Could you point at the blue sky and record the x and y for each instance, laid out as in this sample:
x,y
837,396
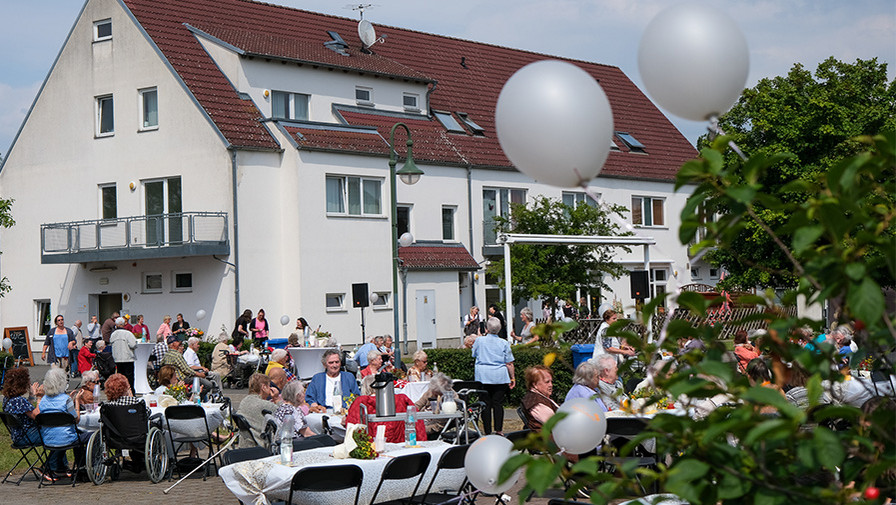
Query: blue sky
x,y
779,34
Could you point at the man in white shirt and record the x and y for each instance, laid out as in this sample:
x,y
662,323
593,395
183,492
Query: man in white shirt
x,y
93,329
192,360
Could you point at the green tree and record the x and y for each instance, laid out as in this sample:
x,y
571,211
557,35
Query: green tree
x,y
816,119
6,221
556,271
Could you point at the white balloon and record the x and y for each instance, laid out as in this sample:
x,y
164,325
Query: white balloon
x,y
554,123
284,320
200,314
694,60
483,461
7,343
583,428
405,239
374,298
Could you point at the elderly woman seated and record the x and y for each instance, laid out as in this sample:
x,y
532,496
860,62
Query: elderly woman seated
x,y
254,403
89,379
374,363
584,384
55,399
293,396
537,402
15,403
609,386
394,429
419,372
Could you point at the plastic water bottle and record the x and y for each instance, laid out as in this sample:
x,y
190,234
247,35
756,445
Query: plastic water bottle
x,y
196,391
96,393
337,396
435,368
286,433
410,426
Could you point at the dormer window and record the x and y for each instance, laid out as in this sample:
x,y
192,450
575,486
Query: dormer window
x,y
364,96
102,30
475,128
631,142
448,122
409,100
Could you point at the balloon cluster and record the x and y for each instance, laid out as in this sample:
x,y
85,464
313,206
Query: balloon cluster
x,y
554,121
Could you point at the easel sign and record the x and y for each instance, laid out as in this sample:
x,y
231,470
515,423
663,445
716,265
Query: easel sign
x,y
21,346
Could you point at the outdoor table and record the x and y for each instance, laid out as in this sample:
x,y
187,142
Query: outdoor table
x,y
414,390
307,360
90,421
315,422
261,481
141,355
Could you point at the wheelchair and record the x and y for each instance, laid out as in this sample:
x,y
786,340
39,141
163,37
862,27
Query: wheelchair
x,y
126,427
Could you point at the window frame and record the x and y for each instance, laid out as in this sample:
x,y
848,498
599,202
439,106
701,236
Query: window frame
x,y
346,196
142,108
338,296
102,211
96,32
99,108
386,298
696,273
415,107
658,283
642,222
634,145
443,118
144,289
469,123
453,209
291,101
504,197
174,286
579,198
368,102
714,276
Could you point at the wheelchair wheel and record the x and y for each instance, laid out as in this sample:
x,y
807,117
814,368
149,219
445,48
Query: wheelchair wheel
x,y
96,458
156,455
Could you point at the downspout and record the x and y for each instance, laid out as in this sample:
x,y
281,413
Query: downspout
x,y
470,226
236,234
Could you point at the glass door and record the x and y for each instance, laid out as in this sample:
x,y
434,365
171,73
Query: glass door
x,y
163,202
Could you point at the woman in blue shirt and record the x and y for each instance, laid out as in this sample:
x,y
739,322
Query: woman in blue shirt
x,y
494,369
56,400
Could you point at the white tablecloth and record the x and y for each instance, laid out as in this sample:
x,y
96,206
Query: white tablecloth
x,y
414,390
315,421
193,428
141,382
260,481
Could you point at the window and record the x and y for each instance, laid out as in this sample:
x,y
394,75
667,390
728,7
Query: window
x,y
355,196
383,300
102,30
475,128
695,272
496,202
448,223
44,315
163,204
109,201
181,282
647,211
289,105
448,122
658,278
152,282
631,142
573,200
409,100
363,95
105,122
149,109
403,219
335,302
713,273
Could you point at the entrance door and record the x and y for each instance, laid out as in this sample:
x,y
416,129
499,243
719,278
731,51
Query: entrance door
x,y
108,303
426,318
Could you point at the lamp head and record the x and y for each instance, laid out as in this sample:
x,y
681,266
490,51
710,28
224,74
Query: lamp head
x,y
409,173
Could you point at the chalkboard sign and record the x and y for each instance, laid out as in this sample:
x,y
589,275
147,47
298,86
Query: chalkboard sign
x,y
21,347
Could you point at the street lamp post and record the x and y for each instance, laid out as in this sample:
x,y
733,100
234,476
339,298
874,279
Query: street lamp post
x,y
409,174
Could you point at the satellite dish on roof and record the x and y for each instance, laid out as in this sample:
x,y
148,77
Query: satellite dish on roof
x,y
366,33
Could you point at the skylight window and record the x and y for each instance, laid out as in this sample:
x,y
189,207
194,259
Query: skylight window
x,y
449,122
477,130
631,142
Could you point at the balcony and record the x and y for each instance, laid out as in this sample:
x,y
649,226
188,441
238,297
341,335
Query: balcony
x,y
135,237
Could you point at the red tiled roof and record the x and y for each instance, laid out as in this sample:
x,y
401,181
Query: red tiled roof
x,y
337,138
437,256
472,88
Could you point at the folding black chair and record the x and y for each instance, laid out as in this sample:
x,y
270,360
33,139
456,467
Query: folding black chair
x,y
245,429
246,454
451,459
47,420
520,411
12,424
404,467
189,413
620,429
327,479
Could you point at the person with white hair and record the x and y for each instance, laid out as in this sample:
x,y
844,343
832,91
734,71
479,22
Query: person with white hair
x,y
123,345
191,356
361,354
419,372
280,359
525,336
89,378
55,399
585,381
374,363
293,396
331,387
494,369
609,386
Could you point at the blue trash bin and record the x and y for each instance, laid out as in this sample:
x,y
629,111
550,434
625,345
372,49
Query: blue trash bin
x,y
277,343
581,352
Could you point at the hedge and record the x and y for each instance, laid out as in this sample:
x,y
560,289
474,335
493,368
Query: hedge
x,y
459,364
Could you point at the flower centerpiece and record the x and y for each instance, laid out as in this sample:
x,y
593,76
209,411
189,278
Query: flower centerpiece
x,y
659,399
364,449
194,332
179,391
322,337
348,400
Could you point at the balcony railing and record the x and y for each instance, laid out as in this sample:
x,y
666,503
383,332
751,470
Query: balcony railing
x,y
135,237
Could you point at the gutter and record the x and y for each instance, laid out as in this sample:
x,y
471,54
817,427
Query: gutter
x,y
236,234
470,226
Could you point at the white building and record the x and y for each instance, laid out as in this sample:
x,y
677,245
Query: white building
x,y
225,154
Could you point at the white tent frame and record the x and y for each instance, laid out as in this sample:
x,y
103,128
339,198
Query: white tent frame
x,y
523,238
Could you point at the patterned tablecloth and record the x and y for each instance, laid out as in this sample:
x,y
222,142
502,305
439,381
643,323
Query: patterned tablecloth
x,y
261,481
90,421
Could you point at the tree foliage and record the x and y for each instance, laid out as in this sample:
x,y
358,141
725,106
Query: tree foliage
x,y
817,119
556,271
756,447
6,221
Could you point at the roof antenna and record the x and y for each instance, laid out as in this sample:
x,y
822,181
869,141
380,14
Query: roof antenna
x,y
359,7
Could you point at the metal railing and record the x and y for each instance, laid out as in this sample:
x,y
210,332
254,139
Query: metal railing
x,y
191,230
